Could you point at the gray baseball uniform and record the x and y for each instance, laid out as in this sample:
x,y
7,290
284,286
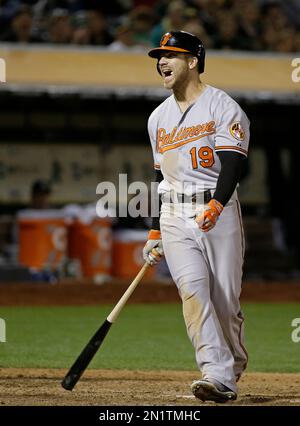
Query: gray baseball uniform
x,y
206,267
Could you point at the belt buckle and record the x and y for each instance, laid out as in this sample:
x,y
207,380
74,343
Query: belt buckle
x,y
198,198
180,198
207,196
201,197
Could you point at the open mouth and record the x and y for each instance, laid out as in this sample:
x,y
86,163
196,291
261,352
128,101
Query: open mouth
x,y
167,73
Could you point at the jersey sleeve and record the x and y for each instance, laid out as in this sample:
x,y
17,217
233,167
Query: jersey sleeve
x,y
152,131
232,128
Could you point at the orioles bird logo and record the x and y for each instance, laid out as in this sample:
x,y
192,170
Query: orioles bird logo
x,y
237,131
165,40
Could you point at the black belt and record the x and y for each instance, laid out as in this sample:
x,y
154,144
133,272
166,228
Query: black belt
x,y
199,198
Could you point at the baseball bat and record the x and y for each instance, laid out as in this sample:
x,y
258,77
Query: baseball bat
x,y
95,342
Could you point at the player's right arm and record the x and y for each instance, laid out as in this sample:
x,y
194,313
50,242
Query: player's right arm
x,y
153,249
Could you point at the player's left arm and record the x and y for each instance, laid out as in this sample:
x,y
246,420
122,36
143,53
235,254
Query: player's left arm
x,y
231,145
231,169
232,164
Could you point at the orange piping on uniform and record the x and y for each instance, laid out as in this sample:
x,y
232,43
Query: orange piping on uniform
x,y
235,148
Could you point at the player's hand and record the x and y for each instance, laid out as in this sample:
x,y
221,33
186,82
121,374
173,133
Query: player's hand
x,y
153,249
208,218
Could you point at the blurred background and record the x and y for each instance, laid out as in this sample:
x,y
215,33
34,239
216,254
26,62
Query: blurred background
x,y
73,112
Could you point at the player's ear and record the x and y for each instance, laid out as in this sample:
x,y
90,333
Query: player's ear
x,y
193,62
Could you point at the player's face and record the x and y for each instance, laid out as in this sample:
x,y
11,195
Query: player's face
x,y
174,68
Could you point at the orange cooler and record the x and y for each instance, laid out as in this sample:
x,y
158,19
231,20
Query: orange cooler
x,y
42,239
91,243
128,253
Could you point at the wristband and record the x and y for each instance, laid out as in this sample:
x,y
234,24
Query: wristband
x,y
154,235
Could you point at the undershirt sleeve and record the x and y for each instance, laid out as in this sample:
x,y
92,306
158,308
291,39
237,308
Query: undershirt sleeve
x,y
231,167
155,220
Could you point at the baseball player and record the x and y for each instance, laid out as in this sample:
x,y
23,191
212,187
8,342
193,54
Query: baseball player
x,y
199,137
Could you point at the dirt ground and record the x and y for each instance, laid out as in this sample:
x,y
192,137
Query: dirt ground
x,y
86,293
19,387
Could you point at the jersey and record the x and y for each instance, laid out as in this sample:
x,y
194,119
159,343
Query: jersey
x,y
185,145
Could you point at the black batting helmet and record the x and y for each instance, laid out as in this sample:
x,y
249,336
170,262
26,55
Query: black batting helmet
x,y
182,42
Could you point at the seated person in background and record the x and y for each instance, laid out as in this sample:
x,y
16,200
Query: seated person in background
x,y
40,193
81,32
21,27
99,29
59,27
124,40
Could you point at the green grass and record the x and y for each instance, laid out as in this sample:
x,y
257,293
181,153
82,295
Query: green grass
x,y
145,337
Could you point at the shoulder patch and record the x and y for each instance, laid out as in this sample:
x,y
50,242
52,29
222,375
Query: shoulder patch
x,y
237,131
